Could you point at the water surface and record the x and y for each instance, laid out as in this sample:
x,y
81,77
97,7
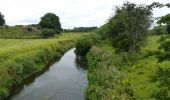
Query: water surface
x,y
64,80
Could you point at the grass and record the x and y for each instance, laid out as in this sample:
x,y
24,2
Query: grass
x,y
19,32
106,82
20,58
141,72
135,72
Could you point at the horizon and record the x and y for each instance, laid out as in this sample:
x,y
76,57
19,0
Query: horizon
x,y
79,13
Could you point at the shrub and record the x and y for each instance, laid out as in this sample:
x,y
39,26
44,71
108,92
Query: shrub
x,y
48,32
165,55
163,77
84,45
165,46
29,29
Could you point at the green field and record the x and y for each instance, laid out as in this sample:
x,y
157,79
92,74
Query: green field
x,y
19,58
133,81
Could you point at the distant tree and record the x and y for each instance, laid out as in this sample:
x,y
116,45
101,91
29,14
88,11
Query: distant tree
x,y
2,20
159,30
50,21
165,20
80,29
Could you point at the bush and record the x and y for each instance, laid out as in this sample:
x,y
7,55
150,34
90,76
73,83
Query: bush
x,y
163,77
48,32
165,55
29,29
84,45
165,46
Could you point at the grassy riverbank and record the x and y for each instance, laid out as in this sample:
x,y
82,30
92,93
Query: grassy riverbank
x,y
122,76
20,58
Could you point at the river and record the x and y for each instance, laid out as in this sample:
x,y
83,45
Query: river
x,y
64,80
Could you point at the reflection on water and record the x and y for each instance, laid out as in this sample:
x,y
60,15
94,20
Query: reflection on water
x,y
64,80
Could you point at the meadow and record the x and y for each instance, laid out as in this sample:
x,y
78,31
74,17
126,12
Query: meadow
x,y
20,58
118,76
19,32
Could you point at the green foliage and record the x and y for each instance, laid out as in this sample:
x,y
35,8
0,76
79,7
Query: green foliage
x,y
165,55
161,94
165,46
20,58
127,29
165,20
168,28
163,77
2,20
48,32
29,29
50,21
106,82
103,31
80,29
19,32
158,30
83,45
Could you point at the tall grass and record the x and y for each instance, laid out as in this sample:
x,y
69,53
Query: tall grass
x,y
22,58
122,76
106,82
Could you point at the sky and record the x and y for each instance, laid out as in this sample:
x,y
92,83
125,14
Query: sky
x,y
72,13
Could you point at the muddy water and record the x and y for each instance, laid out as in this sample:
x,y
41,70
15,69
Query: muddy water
x,y
64,80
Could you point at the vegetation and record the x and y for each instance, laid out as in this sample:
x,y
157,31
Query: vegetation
x,y
158,30
165,20
50,21
2,20
121,67
80,29
21,32
105,80
48,33
21,58
124,62
128,27
122,76
83,45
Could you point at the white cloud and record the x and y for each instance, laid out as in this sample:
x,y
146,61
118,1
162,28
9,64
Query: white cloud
x,y
72,13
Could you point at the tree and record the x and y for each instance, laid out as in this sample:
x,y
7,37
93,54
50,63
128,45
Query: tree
x,y
165,20
50,21
2,20
127,29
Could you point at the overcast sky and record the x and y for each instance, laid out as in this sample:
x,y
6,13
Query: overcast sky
x,y
72,13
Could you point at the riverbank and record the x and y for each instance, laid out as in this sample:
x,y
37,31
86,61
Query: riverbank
x,y
106,81
63,80
20,58
122,76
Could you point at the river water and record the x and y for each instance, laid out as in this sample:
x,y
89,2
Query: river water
x,y
64,80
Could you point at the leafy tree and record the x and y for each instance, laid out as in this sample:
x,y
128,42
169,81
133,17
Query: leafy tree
x,y
50,21
2,20
165,20
128,28
159,30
